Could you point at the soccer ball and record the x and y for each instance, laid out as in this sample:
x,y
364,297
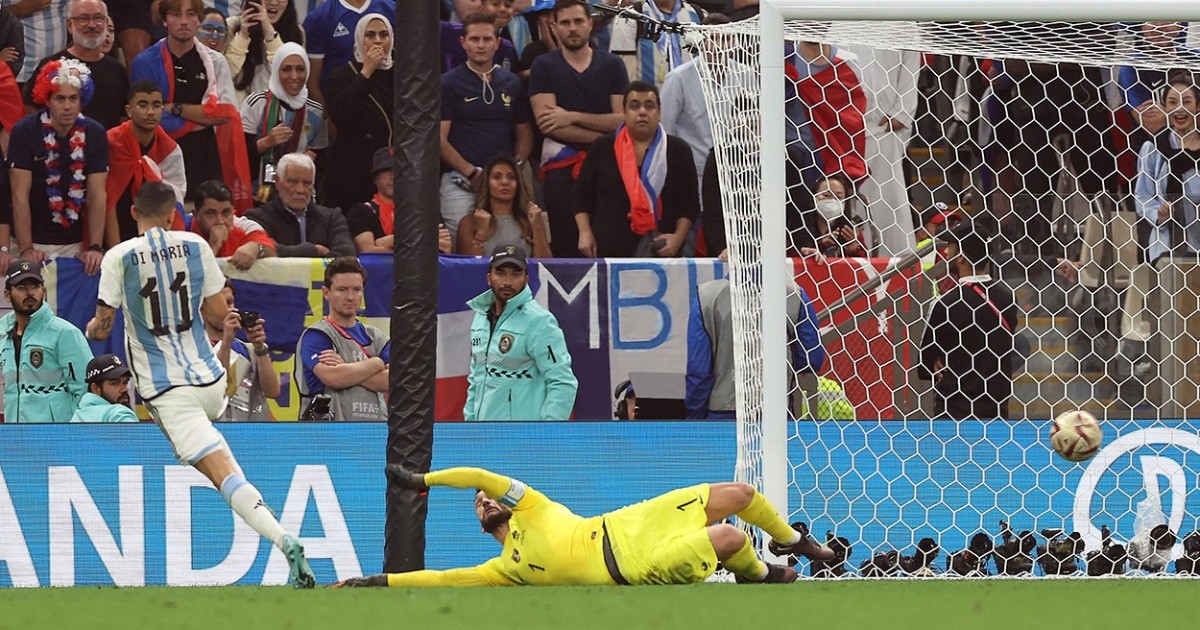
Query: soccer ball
x,y
1076,435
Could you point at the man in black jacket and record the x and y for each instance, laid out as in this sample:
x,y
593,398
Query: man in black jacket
x,y
301,228
967,348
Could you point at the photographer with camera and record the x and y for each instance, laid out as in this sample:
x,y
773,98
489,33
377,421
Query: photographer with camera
x,y
251,377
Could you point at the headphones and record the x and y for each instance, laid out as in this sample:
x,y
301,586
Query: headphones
x,y
623,390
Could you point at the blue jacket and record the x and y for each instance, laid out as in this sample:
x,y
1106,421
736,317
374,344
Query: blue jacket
x,y
709,362
45,383
93,408
520,370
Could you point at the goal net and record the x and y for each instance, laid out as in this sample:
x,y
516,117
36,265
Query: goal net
x,y
1066,152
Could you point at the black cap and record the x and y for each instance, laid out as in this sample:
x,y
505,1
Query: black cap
x,y
22,270
972,239
105,367
508,255
382,161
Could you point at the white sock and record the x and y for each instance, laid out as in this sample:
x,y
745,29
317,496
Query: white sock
x,y
247,502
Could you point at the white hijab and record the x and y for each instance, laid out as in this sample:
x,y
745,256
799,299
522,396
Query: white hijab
x,y
276,86
360,31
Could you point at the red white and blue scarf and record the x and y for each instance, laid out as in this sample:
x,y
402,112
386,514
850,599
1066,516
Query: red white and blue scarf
x,y
643,185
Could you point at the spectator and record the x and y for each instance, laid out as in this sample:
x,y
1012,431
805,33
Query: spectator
x,y
829,121
12,110
576,95
455,53
325,31
264,27
520,366
53,148
140,151
200,113
107,395
647,60
87,22
110,38
637,195
967,347
359,104
502,10
12,41
43,356
889,79
238,238
371,223
485,114
460,9
214,31
504,214
282,119
299,227
133,24
254,375
684,108
839,232
42,21
1160,43
341,356
626,402
710,374
1167,190
537,20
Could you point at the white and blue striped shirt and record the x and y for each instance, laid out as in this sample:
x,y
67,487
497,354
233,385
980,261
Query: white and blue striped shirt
x,y
45,34
161,278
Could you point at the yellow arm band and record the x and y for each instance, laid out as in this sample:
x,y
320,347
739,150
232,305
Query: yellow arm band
x,y
507,491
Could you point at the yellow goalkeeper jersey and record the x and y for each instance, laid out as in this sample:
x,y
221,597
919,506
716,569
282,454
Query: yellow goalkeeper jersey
x,y
547,544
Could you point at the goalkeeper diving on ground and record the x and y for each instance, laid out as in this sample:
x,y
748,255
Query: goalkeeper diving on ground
x,y
674,538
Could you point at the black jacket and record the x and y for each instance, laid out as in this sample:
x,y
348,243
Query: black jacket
x,y
967,335
326,226
361,110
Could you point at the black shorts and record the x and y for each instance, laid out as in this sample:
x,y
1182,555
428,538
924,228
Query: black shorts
x,y
132,14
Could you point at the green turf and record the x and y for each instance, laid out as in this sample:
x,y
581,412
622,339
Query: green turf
x,y
1008,604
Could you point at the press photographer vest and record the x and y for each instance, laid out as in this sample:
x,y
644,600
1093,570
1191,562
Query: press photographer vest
x,y
355,404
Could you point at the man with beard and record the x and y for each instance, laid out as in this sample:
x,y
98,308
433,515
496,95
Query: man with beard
x,y
87,22
520,366
107,398
575,93
43,356
239,239
968,346
674,538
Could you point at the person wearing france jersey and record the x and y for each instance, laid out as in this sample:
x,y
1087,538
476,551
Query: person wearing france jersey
x,y
674,538
166,281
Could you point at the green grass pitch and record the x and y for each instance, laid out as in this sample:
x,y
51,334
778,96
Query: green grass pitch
x,y
925,604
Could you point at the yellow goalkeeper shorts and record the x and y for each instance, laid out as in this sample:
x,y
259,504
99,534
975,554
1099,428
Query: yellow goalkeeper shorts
x,y
664,540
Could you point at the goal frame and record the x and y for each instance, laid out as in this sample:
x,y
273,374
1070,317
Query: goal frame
x,y
777,278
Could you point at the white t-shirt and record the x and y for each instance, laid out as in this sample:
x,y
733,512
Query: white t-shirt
x,y
161,278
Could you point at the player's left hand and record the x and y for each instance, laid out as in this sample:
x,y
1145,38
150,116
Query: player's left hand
x,y
91,262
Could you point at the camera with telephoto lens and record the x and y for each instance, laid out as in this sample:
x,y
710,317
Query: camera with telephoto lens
x,y
1014,554
882,564
1109,559
920,564
836,566
249,319
972,561
1189,562
1058,555
319,410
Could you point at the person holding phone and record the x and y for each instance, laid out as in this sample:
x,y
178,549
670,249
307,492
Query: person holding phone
x,y
264,26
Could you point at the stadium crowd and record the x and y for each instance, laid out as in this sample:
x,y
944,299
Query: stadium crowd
x,y
563,134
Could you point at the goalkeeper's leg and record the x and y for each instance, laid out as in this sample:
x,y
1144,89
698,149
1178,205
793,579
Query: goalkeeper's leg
x,y
744,500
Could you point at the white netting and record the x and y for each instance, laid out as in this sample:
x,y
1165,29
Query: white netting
x,y
1062,140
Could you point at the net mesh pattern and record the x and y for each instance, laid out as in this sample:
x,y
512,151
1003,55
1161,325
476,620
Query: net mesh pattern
x,y
1061,144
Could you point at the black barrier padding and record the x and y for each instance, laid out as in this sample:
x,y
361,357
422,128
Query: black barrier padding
x,y
414,317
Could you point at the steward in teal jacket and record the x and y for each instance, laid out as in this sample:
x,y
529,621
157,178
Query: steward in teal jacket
x,y
93,408
520,367
46,384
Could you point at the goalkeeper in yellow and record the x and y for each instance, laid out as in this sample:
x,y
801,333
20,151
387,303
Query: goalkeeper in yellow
x,y
675,538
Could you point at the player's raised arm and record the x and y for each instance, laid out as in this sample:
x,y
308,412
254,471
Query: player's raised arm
x,y
503,489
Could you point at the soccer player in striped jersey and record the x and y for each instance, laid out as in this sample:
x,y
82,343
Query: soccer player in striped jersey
x,y
674,538
165,281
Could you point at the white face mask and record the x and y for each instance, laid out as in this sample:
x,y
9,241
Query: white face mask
x,y
830,209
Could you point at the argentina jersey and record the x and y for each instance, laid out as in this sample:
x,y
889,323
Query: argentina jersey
x,y
160,279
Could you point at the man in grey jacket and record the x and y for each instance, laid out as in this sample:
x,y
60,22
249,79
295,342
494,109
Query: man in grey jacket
x,y
301,228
